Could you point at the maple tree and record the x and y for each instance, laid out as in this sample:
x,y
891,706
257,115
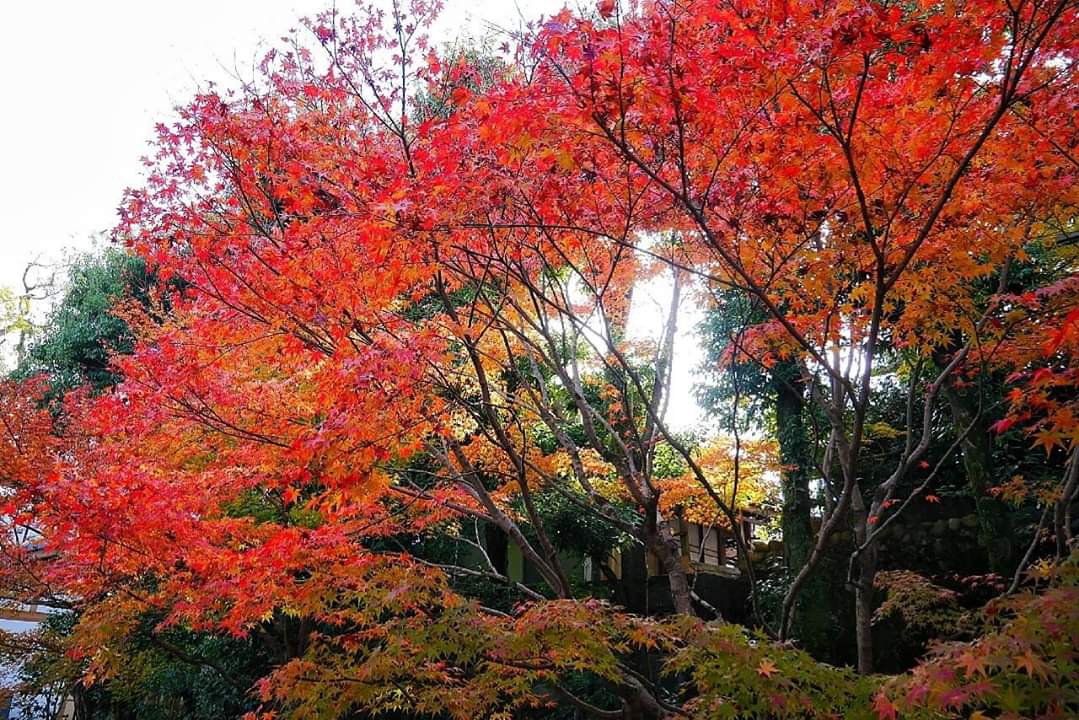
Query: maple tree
x,y
845,241
396,304
27,449
1041,398
1021,665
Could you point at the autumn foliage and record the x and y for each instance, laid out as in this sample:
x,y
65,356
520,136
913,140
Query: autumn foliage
x,y
396,302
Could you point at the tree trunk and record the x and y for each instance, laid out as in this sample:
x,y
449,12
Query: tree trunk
x,y
1062,518
863,608
994,523
664,544
639,704
83,706
861,572
812,623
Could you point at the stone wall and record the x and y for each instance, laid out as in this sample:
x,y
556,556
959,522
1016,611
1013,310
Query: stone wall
x,y
933,539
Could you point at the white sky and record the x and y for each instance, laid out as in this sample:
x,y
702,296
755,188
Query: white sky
x,y
84,83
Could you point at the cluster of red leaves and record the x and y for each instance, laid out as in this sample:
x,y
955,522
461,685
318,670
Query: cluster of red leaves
x,y
1041,355
245,464
1025,665
28,448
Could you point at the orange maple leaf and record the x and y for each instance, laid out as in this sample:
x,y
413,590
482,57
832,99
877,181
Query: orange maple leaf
x,y
1031,663
972,663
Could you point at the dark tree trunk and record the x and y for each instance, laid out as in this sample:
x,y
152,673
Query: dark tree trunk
x,y
864,606
812,624
994,523
638,704
83,706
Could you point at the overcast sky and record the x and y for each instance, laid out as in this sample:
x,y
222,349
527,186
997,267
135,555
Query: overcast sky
x,y
84,83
